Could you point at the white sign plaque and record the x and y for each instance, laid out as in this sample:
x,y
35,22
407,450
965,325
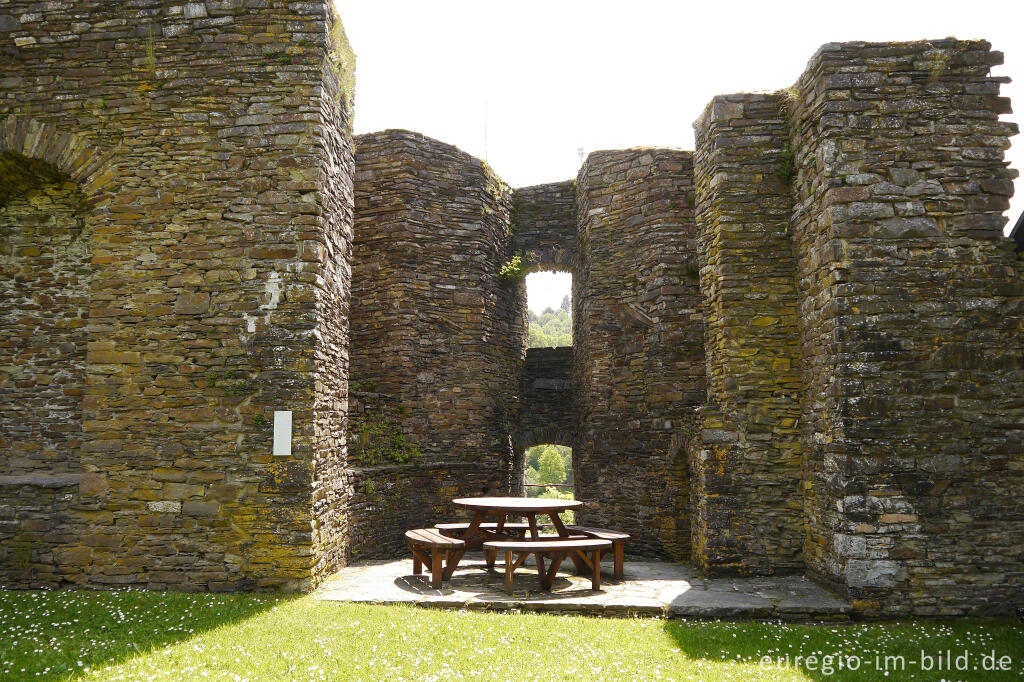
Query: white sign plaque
x,y
282,433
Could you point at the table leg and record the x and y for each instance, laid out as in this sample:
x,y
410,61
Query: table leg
x,y
531,519
470,536
556,521
436,571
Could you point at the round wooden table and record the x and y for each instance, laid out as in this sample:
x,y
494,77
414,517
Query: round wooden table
x,y
504,507
528,507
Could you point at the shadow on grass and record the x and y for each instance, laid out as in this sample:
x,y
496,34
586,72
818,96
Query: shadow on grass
x,y
919,650
59,634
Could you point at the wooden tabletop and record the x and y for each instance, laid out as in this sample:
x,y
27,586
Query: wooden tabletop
x,y
529,505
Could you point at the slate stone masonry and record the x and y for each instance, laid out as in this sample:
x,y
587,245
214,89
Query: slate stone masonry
x,y
912,324
746,452
908,303
437,337
206,140
797,349
638,339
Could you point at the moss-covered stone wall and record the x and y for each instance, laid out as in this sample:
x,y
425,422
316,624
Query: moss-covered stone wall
x,y
745,452
911,313
797,349
204,139
437,337
544,226
875,188
638,340
45,278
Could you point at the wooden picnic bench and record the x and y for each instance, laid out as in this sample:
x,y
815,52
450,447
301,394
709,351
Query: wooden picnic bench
x,y
456,530
617,538
429,547
587,550
498,530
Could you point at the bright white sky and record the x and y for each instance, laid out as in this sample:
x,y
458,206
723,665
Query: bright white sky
x,y
552,76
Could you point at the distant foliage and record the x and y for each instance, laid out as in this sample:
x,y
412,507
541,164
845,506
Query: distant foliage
x,y
560,494
548,465
551,328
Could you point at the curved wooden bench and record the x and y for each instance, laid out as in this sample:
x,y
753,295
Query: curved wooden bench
x,y
424,540
454,529
617,538
458,530
587,550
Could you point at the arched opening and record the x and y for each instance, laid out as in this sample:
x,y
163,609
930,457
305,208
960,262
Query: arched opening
x,y
45,279
548,473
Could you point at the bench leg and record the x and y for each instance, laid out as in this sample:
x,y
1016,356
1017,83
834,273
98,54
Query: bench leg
x,y
490,556
436,572
417,567
452,562
509,571
620,551
549,579
595,576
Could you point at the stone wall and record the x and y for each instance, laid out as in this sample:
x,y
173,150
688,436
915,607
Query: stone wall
x,y
908,319
638,340
546,413
39,526
911,325
326,251
197,137
45,277
546,395
746,456
799,348
437,338
544,225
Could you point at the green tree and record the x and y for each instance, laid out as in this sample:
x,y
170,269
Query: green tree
x,y
566,305
552,466
551,328
555,494
532,467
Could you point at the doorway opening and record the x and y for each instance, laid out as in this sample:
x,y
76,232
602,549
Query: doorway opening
x,y
549,299
548,474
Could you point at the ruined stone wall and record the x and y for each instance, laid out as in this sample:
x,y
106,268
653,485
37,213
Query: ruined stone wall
x,y
437,338
911,316
177,254
638,340
908,318
546,396
544,226
745,451
326,255
45,276
196,135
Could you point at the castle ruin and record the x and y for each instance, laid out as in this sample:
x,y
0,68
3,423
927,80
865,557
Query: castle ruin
x,y
797,349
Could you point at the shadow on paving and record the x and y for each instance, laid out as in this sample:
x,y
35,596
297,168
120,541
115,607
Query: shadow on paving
x,y
58,634
856,651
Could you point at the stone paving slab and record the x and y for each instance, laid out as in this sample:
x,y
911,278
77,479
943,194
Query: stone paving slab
x,y
649,588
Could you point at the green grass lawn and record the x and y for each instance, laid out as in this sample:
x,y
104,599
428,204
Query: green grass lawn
x,y
145,636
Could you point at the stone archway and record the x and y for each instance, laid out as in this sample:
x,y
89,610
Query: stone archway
x,y
53,187
75,155
53,192
45,280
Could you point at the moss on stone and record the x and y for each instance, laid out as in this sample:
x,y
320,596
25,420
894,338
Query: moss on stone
x,y
341,58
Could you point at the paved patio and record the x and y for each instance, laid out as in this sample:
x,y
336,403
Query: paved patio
x,y
649,588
